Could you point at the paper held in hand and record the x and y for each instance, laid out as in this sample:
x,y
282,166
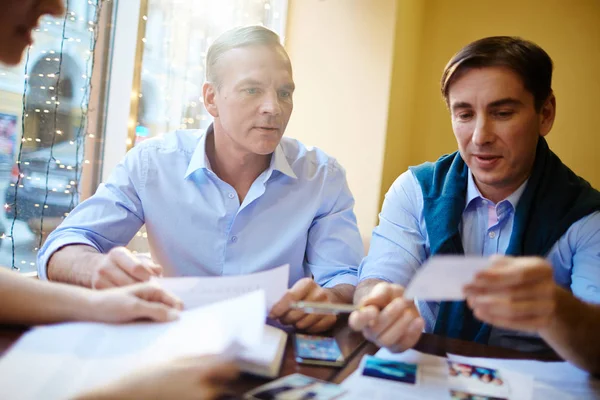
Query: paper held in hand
x,y
442,278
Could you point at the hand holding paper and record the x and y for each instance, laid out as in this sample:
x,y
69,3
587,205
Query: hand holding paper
x,y
515,293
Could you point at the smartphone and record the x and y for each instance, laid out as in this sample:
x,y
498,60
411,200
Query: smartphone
x,y
317,350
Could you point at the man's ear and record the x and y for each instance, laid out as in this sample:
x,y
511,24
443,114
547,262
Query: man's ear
x,y
547,115
209,92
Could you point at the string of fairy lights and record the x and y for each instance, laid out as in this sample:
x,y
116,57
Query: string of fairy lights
x,y
48,84
175,55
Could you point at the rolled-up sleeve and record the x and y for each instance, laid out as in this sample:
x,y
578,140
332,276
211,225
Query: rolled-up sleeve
x,y
334,248
398,244
109,218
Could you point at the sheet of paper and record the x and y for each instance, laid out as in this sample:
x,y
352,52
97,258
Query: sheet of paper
x,y
200,291
553,380
60,361
443,277
433,380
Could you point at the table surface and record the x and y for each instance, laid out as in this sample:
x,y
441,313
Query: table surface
x,y
353,347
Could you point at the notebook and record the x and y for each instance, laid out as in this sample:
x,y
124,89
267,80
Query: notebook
x,y
265,359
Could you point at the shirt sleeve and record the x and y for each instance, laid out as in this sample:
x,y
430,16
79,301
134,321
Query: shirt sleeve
x,y
334,247
399,242
585,244
109,218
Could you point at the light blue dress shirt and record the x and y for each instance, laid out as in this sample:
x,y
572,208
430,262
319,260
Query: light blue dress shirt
x,y
400,243
299,212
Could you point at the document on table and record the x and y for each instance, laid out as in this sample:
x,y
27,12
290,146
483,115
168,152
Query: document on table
x,y
434,380
200,291
60,361
442,278
553,380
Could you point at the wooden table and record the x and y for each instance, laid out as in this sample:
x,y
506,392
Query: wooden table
x,y
353,346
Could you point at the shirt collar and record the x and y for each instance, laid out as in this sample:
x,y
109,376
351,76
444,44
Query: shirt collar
x,y
199,159
474,193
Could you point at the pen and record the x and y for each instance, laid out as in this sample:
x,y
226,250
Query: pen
x,y
313,307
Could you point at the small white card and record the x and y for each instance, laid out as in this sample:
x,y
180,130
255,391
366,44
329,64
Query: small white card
x,y
442,278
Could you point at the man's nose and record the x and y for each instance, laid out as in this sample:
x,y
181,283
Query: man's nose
x,y
483,133
270,103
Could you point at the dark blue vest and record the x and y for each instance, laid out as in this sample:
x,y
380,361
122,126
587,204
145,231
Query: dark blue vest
x,y
553,200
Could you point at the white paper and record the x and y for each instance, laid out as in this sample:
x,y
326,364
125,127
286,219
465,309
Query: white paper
x,y
200,291
431,384
60,361
433,379
442,278
553,380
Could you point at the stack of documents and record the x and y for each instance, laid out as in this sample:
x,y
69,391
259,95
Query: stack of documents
x,y
222,315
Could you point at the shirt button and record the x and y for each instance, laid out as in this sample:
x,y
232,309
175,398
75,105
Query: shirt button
x,y
233,239
231,195
492,234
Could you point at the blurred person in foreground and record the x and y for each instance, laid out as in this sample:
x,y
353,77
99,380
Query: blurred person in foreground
x,y
31,302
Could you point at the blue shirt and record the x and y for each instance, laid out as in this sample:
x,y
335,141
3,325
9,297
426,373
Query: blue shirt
x,y
299,211
400,243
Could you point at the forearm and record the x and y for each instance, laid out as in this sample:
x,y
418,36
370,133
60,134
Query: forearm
x,y
73,264
364,288
573,332
30,302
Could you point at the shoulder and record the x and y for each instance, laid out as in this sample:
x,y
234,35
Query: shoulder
x,y
405,190
309,162
182,141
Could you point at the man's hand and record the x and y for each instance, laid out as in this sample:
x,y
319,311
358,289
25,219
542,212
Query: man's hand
x,y
306,289
204,377
516,293
120,267
130,303
387,319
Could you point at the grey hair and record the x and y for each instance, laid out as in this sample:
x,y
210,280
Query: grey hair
x,y
236,38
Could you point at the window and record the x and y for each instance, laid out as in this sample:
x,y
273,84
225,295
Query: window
x,y
44,118
177,36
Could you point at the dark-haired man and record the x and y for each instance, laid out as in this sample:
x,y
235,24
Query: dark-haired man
x,y
504,192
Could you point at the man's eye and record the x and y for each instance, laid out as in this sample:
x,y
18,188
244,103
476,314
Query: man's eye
x,y
504,114
251,90
285,94
464,116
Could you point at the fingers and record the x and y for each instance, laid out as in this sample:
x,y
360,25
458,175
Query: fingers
x,y
153,293
298,292
508,272
364,317
120,267
111,276
154,311
404,334
382,294
389,315
380,297
140,268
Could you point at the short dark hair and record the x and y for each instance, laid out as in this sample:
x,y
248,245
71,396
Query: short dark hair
x,y
525,58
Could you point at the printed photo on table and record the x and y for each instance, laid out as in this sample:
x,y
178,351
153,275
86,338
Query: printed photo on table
x,y
390,370
476,379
